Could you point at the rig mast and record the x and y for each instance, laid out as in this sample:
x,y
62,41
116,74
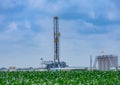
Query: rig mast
x,y
56,42
56,63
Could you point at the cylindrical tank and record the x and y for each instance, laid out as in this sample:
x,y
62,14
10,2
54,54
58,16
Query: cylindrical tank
x,y
106,62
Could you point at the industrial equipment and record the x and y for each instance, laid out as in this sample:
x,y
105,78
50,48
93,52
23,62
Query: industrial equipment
x,y
106,62
56,63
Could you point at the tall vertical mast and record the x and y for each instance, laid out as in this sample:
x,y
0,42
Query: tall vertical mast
x,y
56,40
90,62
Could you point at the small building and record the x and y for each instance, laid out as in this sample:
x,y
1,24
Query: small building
x,y
12,68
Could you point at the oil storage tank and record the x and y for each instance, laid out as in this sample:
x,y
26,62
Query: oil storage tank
x,y
107,62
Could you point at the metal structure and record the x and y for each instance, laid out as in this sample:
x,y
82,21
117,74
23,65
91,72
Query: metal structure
x,y
91,63
106,62
56,63
56,42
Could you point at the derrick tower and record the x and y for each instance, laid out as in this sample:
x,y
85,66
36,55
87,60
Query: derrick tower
x,y
56,63
56,41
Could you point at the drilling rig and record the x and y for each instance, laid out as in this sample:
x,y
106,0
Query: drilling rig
x,y
56,42
56,63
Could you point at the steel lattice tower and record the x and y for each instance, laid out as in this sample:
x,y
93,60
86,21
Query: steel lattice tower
x,y
56,41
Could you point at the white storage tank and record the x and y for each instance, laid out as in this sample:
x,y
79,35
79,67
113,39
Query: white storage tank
x,y
106,62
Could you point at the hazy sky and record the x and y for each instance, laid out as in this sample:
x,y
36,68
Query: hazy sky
x,y
87,27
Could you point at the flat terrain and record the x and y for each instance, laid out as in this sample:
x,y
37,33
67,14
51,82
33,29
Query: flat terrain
x,y
60,78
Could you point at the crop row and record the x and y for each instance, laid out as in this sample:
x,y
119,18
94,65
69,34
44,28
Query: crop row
x,y
60,78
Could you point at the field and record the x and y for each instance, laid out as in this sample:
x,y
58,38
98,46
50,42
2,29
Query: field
x,y
60,78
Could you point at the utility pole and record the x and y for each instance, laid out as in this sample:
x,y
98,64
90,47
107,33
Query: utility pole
x,y
91,62
56,42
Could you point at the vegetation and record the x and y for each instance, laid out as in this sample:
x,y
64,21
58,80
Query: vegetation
x,y
60,78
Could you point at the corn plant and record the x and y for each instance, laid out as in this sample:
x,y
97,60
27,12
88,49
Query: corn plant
x,y
60,78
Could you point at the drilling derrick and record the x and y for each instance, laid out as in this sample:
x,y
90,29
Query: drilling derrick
x,y
56,63
56,42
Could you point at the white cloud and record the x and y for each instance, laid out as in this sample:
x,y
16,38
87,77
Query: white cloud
x,y
48,7
10,33
93,9
12,27
45,23
92,15
113,15
37,4
16,32
96,9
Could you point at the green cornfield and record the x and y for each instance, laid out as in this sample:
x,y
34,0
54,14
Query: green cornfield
x,y
60,78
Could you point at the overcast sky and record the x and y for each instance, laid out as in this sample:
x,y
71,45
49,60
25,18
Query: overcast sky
x,y
87,27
